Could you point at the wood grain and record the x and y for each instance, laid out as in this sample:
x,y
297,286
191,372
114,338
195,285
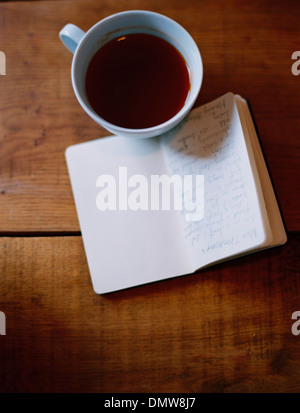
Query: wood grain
x,y
226,329
246,48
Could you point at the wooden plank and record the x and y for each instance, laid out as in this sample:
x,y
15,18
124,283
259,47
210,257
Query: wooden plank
x,y
246,48
226,329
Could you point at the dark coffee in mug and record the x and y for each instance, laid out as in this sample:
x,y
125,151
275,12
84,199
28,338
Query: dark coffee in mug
x,y
137,81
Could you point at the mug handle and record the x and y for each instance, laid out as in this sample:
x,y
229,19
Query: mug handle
x,y
71,35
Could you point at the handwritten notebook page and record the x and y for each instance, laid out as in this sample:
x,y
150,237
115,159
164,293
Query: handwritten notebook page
x,y
210,142
267,197
124,248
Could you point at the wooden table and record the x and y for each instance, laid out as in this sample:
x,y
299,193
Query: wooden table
x,y
224,329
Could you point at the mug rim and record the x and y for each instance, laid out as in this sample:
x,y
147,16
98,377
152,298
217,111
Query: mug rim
x,y
119,130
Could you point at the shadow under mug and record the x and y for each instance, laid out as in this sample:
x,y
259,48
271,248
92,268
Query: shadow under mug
x,y
85,45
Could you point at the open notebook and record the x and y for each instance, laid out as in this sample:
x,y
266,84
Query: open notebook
x,y
133,236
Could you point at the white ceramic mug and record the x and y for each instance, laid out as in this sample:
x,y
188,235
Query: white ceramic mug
x,y
85,45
